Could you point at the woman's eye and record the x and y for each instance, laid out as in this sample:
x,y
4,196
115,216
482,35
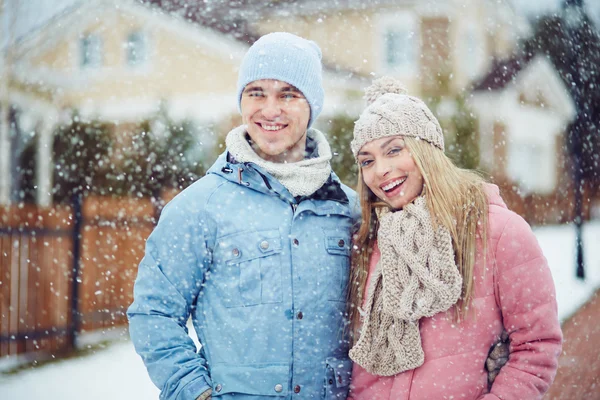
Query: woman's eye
x,y
395,150
365,163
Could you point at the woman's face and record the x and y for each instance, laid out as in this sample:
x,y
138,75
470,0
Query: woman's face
x,y
389,170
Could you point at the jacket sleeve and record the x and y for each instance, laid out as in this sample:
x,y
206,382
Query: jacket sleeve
x,y
526,295
169,279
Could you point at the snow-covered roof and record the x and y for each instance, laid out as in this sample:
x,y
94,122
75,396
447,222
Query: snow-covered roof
x,y
530,78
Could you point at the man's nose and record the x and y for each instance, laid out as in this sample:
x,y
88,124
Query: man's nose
x,y
272,108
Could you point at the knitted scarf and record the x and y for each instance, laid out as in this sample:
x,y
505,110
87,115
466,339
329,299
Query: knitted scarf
x,y
301,178
415,277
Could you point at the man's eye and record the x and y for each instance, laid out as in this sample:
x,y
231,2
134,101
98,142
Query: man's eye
x,y
255,94
288,96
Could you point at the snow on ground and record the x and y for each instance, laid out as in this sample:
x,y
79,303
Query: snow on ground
x,y
117,373
558,244
114,373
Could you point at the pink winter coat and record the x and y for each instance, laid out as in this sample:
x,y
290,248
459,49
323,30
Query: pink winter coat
x,y
514,289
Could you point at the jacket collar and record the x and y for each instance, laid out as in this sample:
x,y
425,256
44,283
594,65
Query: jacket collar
x,y
331,190
252,176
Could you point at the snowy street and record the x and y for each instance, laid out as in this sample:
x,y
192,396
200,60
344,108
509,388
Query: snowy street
x,y
117,373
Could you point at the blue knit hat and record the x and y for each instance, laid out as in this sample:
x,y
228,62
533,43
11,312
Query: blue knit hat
x,y
288,58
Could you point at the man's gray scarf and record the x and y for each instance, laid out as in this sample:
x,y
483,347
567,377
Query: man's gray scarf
x,y
301,178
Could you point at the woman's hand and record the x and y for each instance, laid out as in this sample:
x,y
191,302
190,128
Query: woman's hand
x,y
497,357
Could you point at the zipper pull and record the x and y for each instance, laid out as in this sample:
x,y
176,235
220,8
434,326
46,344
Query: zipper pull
x,y
294,207
240,170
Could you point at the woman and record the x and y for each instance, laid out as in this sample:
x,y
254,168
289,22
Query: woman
x,y
441,267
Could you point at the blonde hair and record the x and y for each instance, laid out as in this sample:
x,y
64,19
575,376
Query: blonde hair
x,y
456,200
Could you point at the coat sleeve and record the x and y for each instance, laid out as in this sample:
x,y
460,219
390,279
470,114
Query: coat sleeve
x,y
526,295
169,280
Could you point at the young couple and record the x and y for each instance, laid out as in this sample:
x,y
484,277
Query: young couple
x,y
298,288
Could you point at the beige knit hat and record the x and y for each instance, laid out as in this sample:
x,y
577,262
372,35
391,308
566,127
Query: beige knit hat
x,y
392,112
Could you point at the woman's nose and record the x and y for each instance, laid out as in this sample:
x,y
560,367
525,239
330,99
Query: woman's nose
x,y
383,169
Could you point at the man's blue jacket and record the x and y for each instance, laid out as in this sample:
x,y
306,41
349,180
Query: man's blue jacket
x,y
263,276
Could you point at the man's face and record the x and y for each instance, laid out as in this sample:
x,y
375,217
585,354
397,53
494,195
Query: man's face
x,y
277,115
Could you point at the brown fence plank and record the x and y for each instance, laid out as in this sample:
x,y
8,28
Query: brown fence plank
x,y
14,292
21,286
5,278
44,251
32,292
114,230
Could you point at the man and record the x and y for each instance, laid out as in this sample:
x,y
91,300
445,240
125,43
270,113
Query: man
x,y
256,252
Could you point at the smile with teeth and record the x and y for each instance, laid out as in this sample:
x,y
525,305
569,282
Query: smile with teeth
x,y
272,127
393,184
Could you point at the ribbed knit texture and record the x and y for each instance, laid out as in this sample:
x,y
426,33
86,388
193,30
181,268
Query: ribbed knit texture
x,y
392,112
288,58
416,277
301,178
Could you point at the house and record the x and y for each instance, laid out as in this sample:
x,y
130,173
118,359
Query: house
x,y
121,63
118,63
529,106
523,108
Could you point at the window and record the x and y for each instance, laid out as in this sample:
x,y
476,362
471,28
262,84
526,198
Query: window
x,y
532,165
473,57
399,50
91,51
136,49
400,43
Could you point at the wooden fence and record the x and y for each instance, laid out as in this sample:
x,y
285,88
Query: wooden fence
x,y
48,296
35,279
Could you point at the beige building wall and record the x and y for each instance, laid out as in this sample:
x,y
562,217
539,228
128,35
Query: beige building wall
x,y
57,58
351,39
175,65
346,38
469,34
457,37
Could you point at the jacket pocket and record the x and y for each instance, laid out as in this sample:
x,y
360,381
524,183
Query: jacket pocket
x,y
254,380
337,378
247,268
336,269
